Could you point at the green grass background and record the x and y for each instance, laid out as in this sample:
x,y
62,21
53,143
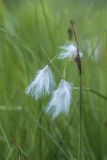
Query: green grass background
x,y
30,33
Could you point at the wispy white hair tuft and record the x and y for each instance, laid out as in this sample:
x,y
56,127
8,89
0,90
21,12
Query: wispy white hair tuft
x,y
69,50
43,83
60,102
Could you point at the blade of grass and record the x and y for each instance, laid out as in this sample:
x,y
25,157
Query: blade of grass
x,y
6,140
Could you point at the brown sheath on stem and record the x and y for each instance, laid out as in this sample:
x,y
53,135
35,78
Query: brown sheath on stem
x,y
71,31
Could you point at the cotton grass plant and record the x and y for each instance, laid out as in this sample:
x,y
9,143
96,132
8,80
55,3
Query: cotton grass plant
x,y
44,84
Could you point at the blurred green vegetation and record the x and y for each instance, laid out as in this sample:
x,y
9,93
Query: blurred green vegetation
x,y
30,33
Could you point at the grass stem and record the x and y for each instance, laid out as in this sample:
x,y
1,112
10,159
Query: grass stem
x,y
78,62
81,119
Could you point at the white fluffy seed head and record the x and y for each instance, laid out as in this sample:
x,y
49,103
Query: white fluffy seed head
x,y
60,101
69,50
43,83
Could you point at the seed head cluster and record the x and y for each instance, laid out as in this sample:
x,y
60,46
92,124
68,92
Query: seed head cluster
x,y
44,84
